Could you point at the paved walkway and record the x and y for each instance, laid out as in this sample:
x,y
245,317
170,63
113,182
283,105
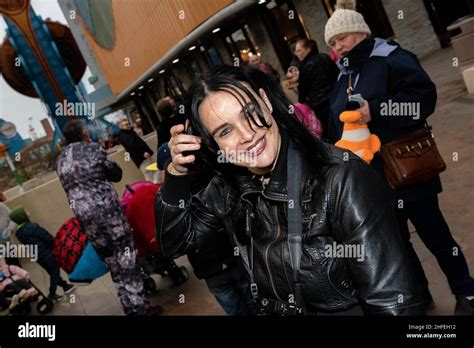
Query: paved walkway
x,y
453,125
100,297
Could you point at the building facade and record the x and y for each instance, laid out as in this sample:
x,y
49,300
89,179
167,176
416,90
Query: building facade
x,y
141,51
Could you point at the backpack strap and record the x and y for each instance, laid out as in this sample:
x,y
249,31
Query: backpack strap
x,y
295,231
295,227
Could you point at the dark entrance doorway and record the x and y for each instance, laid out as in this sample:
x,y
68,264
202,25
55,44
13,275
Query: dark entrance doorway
x,y
174,87
238,43
284,27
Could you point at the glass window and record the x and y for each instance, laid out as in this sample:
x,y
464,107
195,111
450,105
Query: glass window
x,y
214,56
239,44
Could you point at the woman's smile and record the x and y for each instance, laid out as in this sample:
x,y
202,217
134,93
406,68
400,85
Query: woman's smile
x,y
258,148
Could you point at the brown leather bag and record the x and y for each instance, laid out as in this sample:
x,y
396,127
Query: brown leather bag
x,y
412,159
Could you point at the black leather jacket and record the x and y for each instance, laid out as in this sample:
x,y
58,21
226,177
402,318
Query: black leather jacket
x,y
350,208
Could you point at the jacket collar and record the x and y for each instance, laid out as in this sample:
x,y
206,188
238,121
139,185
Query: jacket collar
x,y
360,54
127,131
309,56
276,189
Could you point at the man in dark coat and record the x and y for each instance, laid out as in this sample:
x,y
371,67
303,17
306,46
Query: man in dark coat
x,y
139,151
169,117
398,98
317,75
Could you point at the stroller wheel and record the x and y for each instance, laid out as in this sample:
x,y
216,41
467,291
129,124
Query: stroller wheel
x,y
44,306
179,275
149,285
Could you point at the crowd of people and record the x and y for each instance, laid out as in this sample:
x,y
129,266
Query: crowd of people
x,y
262,226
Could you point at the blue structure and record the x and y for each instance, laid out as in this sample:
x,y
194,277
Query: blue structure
x,y
15,143
33,70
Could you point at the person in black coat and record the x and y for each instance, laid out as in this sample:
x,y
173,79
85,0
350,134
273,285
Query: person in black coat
x,y
215,260
317,75
139,151
167,109
387,76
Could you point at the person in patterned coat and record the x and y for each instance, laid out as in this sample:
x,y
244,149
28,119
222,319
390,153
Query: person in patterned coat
x,y
86,175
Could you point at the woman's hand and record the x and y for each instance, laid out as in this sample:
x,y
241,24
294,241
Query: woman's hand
x,y
364,113
178,144
293,73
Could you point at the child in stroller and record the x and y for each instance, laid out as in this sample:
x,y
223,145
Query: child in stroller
x,y
14,284
18,292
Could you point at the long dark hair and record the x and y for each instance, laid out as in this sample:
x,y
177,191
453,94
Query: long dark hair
x,y
234,80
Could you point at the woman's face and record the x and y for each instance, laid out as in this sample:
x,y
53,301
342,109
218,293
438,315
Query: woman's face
x,y
345,42
256,149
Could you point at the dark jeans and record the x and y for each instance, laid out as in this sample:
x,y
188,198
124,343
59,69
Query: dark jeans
x,y
50,265
232,290
434,232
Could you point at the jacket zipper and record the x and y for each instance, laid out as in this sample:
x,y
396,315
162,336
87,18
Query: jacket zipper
x,y
266,254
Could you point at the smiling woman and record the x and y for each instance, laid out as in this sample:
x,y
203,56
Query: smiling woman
x,y
283,210
236,115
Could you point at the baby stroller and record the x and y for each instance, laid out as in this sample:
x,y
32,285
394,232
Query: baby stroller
x,y
21,293
44,305
76,255
138,204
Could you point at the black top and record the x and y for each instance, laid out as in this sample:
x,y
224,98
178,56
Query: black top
x,y
134,145
318,74
349,207
164,129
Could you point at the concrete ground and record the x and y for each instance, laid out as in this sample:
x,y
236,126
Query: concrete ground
x,y
100,297
452,125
